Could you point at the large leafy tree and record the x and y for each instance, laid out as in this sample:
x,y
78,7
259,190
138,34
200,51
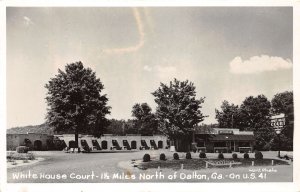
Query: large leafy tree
x,y
116,127
75,102
130,127
284,103
178,110
145,121
228,116
254,113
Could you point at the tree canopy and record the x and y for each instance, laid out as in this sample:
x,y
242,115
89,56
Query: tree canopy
x,y
228,116
284,103
116,127
75,101
145,122
178,110
255,112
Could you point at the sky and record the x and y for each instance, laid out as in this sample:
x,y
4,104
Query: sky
x,y
229,53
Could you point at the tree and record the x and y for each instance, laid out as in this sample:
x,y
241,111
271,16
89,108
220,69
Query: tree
x,y
254,113
116,127
145,121
284,103
178,110
75,102
228,116
130,127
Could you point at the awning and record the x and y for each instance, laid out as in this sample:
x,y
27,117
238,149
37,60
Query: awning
x,y
231,138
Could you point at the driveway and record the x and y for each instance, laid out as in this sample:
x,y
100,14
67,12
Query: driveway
x,y
60,167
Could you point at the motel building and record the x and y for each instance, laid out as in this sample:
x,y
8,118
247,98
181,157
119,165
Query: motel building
x,y
114,142
215,140
107,142
210,140
35,141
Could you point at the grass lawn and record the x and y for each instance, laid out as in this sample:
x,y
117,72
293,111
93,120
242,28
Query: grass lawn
x,y
196,164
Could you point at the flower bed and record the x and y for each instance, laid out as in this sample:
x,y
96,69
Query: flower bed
x,y
19,156
196,164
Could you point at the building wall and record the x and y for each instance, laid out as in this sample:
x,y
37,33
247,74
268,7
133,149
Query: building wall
x,y
210,145
109,138
15,140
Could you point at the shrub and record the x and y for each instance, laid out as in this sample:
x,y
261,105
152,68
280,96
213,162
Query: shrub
x,y
31,156
162,157
286,157
188,155
22,149
146,158
246,155
25,161
176,156
234,156
220,156
202,155
258,155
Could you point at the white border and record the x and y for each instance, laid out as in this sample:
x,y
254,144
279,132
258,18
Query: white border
x,y
145,187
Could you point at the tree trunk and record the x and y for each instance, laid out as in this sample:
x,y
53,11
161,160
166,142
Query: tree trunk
x,y
177,145
76,139
183,143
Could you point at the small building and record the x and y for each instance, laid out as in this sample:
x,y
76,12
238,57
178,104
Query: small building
x,y
210,140
35,141
224,140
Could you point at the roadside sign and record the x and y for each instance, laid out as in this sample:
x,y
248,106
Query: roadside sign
x,y
278,121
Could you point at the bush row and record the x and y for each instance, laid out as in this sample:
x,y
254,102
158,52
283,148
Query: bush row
x,y
22,149
162,157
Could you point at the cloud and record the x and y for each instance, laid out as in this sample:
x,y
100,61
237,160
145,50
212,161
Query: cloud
x,y
27,21
258,64
140,44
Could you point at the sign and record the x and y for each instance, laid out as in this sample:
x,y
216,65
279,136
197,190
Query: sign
x,y
278,121
225,132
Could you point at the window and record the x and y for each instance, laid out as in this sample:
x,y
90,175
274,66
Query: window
x,y
244,144
220,144
200,144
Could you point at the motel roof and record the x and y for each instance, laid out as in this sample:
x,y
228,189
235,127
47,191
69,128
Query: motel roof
x,y
217,131
232,138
